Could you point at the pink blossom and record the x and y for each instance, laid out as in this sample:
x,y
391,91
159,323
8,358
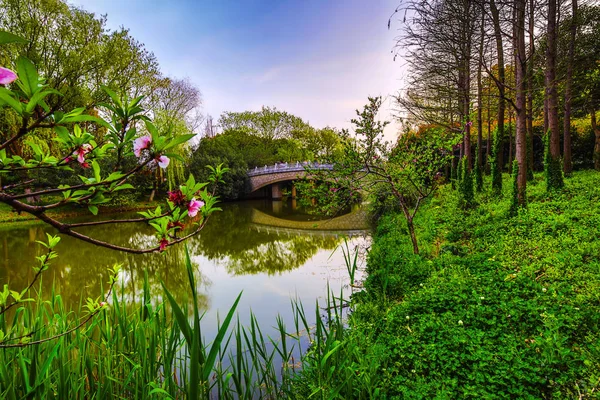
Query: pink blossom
x,y
85,165
82,151
163,244
194,207
163,161
7,76
140,144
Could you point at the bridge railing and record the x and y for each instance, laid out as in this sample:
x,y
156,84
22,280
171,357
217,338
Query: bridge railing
x,y
288,167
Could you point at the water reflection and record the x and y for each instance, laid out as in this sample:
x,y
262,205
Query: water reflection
x,y
235,243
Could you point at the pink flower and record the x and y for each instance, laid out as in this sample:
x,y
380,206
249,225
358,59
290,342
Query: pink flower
x,y
194,207
163,244
85,165
140,144
7,76
176,197
163,161
81,152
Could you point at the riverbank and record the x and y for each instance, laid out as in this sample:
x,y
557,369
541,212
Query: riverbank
x,y
10,218
494,307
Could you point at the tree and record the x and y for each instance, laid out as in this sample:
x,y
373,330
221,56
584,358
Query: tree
x,y
268,122
521,101
568,164
554,180
80,153
437,39
411,171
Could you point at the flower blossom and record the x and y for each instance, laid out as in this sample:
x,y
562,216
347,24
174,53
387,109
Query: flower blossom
x,y
140,144
163,244
194,207
7,76
163,161
81,152
176,197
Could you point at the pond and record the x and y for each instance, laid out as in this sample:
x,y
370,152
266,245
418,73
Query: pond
x,y
272,251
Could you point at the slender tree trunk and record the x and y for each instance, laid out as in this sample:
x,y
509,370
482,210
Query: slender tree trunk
x,y
510,143
410,225
568,164
546,128
501,77
413,236
489,131
597,142
465,82
530,83
480,96
551,84
521,117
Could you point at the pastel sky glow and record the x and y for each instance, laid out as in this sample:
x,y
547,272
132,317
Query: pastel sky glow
x,y
317,59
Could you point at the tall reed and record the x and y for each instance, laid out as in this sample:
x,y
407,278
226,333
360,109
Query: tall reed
x,y
155,349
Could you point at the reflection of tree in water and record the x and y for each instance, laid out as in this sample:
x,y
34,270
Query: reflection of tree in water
x,y
81,268
229,239
80,271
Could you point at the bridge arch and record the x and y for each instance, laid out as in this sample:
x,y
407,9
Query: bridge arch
x,y
261,177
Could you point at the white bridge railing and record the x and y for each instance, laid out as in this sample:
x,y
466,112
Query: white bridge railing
x,y
288,167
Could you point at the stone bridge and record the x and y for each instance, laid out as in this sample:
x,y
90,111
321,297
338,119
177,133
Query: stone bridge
x,y
273,175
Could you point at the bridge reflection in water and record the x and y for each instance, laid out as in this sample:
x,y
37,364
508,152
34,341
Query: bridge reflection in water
x,y
354,223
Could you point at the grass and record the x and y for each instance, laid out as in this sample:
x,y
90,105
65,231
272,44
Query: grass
x,y
494,307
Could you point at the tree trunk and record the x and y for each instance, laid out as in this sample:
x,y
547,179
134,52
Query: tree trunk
x,y
551,84
597,142
521,117
413,236
480,96
510,143
530,160
568,164
489,132
501,77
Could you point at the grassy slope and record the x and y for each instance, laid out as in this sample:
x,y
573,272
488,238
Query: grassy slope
x,y
497,307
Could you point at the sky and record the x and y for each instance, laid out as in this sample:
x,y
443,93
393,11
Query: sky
x,y
317,59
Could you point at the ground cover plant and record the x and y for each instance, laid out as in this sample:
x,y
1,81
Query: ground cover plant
x,y
494,307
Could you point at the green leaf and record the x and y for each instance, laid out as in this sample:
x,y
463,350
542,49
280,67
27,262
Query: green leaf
x,y
153,131
38,97
96,168
123,187
216,346
7,37
7,97
182,321
28,76
113,96
178,140
93,209
86,118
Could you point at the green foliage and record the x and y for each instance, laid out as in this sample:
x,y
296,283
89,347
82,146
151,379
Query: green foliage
x,y
552,168
478,173
495,168
514,197
465,185
268,123
494,307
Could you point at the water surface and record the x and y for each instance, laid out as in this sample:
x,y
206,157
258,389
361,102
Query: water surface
x,y
271,251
